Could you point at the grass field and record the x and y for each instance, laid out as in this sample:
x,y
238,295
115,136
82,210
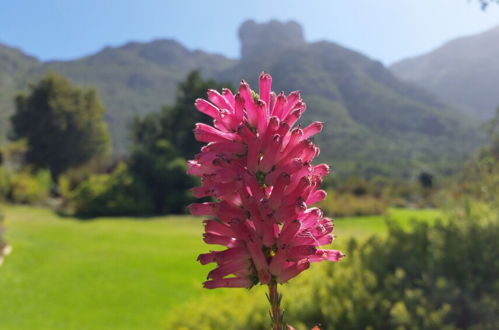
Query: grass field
x,y
116,273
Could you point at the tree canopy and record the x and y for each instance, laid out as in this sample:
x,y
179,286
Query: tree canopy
x,y
63,125
176,122
164,141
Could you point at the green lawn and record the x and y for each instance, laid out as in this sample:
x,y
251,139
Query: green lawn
x,y
117,273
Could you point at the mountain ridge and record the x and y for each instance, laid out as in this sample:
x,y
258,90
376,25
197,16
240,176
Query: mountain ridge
x,y
376,120
463,72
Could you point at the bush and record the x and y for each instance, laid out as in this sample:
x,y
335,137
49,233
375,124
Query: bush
x,y
163,171
28,188
118,193
4,183
432,277
346,205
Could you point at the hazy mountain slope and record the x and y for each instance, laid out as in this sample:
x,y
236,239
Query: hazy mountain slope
x,y
464,72
136,78
375,122
133,79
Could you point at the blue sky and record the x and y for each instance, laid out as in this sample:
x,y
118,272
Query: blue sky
x,y
387,30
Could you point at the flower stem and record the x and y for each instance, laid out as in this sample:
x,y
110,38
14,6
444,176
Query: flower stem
x,y
276,314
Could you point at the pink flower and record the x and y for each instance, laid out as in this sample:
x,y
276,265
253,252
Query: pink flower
x,y
257,166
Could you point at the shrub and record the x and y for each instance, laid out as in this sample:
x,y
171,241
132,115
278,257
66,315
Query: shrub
x,y
117,193
163,171
28,188
4,183
345,205
443,276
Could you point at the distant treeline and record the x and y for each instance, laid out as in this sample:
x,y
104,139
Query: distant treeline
x,y
61,151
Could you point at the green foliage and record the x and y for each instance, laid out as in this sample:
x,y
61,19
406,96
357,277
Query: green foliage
x,y
432,277
478,188
85,272
4,183
162,143
63,125
175,123
25,186
347,205
117,193
3,242
163,172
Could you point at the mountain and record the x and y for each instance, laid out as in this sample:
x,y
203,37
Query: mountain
x,y
375,123
135,79
463,72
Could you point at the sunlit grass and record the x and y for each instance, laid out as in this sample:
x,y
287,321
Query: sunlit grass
x,y
115,273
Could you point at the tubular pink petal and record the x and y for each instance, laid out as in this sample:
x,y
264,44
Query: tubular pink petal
x,y
330,255
210,238
273,99
291,167
278,262
316,197
312,129
239,108
292,100
219,100
229,96
265,86
281,183
253,154
293,271
200,192
270,155
234,148
259,261
234,253
279,105
229,268
226,211
293,117
288,232
321,170
205,133
207,108
206,258
262,116
251,111
269,133
218,228
201,209
300,252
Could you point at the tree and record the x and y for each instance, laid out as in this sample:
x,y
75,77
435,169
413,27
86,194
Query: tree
x,y
164,141
175,123
63,125
161,168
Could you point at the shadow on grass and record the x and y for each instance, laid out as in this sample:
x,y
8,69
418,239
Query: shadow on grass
x,y
128,217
